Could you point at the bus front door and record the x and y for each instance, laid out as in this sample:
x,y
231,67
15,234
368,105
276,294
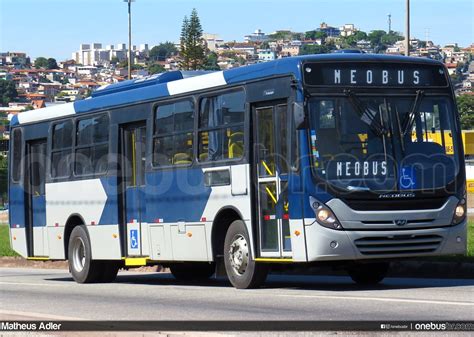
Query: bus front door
x,y
36,202
133,182
270,155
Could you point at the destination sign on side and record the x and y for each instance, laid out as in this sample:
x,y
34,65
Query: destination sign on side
x,y
370,74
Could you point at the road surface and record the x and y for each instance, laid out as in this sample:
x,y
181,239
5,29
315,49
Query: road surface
x,y
52,294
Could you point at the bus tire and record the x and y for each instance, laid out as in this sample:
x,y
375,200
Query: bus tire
x,y
368,273
83,269
192,271
242,270
109,271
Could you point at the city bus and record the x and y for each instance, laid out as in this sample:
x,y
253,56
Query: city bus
x,y
315,159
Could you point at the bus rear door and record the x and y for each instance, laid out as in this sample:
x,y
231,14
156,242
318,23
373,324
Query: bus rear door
x,y
36,202
133,182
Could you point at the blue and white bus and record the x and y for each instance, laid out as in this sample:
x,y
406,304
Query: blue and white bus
x,y
305,159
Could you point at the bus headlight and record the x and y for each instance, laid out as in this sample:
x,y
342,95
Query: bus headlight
x,y
459,212
324,216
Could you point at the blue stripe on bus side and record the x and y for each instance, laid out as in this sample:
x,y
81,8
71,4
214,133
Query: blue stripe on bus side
x,y
17,206
110,212
176,195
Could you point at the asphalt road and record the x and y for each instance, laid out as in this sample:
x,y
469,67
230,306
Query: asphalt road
x,y
52,294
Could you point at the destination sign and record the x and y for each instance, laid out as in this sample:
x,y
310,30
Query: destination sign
x,y
374,74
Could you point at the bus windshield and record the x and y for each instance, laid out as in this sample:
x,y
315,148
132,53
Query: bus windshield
x,y
383,143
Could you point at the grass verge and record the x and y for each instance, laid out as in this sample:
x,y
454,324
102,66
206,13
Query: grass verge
x,y
5,249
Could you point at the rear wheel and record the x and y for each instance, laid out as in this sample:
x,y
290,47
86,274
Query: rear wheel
x,y
368,273
83,269
240,265
192,271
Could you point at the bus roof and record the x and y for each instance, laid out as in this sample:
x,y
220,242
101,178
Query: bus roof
x,y
178,82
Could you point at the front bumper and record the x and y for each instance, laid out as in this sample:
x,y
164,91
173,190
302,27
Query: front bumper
x,y
324,244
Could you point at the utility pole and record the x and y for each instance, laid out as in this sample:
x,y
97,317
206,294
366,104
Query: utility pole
x,y
389,23
130,60
407,29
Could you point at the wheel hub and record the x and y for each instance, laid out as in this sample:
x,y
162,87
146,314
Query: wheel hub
x,y
79,254
239,254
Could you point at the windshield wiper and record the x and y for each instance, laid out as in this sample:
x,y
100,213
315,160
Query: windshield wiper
x,y
366,115
410,118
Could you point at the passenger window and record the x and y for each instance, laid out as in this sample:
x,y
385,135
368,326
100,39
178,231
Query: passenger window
x,y
61,152
92,146
221,127
173,138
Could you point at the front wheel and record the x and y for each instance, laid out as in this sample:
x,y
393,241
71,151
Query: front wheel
x,y
240,265
368,273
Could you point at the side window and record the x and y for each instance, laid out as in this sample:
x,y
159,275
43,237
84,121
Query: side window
x,y
92,146
61,152
221,127
17,154
173,137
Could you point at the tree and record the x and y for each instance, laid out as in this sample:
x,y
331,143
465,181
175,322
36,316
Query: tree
x,y
211,63
51,64
123,63
41,62
356,37
162,51
466,111
391,38
308,49
315,34
28,107
8,92
155,68
192,48
114,60
375,37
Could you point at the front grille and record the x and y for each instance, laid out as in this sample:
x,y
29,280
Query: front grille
x,y
391,222
395,204
398,244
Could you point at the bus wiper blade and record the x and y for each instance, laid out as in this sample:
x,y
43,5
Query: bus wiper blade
x,y
366,115
410,118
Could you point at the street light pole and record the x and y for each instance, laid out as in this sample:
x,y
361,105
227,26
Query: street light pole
x,y
129,2
407,29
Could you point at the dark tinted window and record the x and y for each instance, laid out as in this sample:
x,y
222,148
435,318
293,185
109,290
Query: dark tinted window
x,y
173,140
38,168
221,124
222,110
17,153
92,146
93,130
62,135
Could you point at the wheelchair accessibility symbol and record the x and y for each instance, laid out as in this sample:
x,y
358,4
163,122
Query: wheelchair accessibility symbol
x,y
407,178
134,238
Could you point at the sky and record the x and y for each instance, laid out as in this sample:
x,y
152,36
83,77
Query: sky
x,y
55,28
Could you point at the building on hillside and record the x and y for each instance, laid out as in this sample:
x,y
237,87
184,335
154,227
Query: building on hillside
x,y
213,41
348,30
290,50
265,55
330,31
257,36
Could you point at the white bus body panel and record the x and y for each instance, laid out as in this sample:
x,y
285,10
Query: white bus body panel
x,y
105,242
18,241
